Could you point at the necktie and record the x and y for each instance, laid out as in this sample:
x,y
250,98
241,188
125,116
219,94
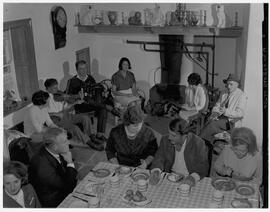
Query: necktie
x,y
62,162
226,102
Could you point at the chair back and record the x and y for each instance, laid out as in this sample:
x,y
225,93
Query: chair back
x,y
20,149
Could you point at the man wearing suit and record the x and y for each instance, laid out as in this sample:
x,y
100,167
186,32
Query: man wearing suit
x,y
181,152
228,112
51,171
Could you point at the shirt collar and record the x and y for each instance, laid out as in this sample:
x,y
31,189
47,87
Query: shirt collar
x,y
53,154
82,79
16,196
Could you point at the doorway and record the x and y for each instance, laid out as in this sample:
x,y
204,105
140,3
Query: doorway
x,y
84,54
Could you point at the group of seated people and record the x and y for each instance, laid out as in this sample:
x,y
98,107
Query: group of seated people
x,y
48,123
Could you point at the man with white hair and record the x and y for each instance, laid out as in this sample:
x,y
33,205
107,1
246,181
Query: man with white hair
x,y
52,171
228,111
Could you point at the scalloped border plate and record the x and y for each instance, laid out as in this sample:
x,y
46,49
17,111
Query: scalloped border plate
x,y
101,173
224,187
239,190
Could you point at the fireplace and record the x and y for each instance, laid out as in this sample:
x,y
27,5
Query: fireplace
x,y
171,58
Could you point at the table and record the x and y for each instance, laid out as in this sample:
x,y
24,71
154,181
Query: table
x,y
163,195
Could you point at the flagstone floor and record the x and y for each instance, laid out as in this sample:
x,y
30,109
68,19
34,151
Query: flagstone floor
x,y
87,158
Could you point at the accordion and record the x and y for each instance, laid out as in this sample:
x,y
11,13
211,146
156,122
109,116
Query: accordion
x,y
94,91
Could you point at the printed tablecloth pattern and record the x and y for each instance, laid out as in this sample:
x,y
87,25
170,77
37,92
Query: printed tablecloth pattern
x,y
163,195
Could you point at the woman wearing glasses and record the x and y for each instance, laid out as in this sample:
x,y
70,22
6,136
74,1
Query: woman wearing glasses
x,y
240,160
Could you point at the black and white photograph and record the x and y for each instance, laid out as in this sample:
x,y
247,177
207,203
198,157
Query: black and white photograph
x,y
141,104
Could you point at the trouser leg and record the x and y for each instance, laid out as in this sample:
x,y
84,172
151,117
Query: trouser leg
x,y
68,123
101,120
83,119
101,113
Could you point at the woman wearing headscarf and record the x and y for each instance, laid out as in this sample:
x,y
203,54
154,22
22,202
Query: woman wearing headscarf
x,y
132,143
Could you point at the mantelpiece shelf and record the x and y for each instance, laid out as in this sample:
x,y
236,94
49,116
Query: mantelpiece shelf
x,y
232,32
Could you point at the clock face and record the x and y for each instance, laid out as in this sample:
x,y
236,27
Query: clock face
x,y
61,18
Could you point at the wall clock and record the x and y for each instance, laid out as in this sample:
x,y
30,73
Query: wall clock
x,y
59,23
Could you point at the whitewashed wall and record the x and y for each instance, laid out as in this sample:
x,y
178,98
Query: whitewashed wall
x,y
107,49
253,78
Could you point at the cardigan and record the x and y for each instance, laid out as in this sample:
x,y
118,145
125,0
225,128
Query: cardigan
x,y
129,152
30,198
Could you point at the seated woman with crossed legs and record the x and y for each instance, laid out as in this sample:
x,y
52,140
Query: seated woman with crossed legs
x,y
124,85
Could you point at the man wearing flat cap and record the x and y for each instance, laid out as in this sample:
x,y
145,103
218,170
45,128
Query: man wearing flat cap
x,y
228,111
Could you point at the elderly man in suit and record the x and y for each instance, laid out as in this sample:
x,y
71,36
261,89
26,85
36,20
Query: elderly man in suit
x,y
228,111
181,152
51,171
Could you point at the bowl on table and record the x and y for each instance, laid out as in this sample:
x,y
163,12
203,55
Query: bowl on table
x,y
223,184
139,176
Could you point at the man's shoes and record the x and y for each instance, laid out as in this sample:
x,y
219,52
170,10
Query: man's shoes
x,y
96,140
102,138
98,147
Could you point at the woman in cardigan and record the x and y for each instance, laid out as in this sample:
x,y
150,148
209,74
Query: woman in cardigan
x,y
241,160
17,193
131,143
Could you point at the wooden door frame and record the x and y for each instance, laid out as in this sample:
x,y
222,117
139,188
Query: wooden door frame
x,y
87,50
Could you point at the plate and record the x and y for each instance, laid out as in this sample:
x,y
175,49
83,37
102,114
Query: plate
x,y
175,178
139,175
101,173
91,187
241,203
223,184
245,190
137,203
123,170
78,204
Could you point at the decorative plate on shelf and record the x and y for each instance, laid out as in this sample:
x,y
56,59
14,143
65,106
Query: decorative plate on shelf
x,y
245,190
223,184
101,173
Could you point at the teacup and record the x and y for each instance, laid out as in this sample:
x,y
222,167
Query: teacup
x,y
184,190
115,182
93,202
142,185
217,197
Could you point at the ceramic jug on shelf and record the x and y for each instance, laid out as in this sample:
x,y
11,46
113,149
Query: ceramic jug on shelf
x,y
112,15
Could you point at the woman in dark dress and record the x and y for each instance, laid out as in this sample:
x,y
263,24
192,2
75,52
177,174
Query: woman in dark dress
x,y
132,143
